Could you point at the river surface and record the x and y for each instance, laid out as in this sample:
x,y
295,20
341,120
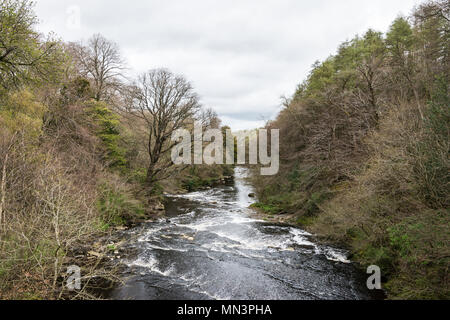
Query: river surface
x,y
210,247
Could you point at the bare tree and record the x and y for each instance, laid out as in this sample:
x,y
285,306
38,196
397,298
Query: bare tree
x,y
166,103
209,119
101,62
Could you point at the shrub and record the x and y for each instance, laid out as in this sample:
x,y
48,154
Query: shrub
x,y
109,132
117,206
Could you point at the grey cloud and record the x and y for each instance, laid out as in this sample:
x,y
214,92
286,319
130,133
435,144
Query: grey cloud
x,y
240,55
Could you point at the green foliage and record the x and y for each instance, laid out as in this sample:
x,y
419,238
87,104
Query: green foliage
x,y
138,175
377,255
24,56
117,207
157,189
305,221
77,89
399,240
365,144
420,248
200,177
312,205
227,170
267,208
193,183
359,50
109,132
299,193
400,42
400,37
20,111
321,76
431,153
341,70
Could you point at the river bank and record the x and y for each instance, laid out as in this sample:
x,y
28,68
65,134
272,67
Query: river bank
x,y
100,257
209,246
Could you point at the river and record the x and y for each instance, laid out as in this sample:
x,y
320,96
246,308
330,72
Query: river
x,y
210,247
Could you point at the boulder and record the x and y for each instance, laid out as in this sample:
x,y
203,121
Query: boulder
x,y
159,207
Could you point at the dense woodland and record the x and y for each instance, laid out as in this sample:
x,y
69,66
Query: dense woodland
x,y
365,152
83,149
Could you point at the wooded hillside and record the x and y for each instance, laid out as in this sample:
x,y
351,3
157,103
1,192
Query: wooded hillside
x,y
365,152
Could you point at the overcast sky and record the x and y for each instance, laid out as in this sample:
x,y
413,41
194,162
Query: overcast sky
x,y
240,55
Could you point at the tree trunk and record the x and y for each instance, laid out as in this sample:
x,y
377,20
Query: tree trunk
x,y
3,192
419,106
150,177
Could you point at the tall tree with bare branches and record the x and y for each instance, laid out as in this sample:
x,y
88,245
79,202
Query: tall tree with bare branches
x,y
166,103
101,62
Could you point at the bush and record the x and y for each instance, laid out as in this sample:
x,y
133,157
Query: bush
x,y
431,152
117,206
109,132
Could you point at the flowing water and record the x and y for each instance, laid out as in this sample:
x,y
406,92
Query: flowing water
x,y
209,247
